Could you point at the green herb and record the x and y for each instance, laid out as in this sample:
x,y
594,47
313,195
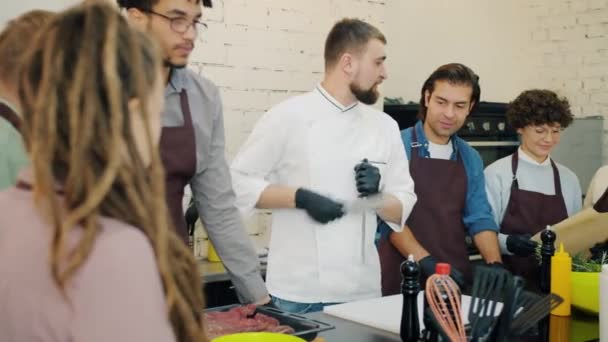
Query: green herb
x,y
584,264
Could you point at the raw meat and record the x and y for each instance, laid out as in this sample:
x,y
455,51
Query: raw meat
x,y
241,319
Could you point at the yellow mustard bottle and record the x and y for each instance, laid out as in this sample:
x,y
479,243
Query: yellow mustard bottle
x,y
211,253
561,285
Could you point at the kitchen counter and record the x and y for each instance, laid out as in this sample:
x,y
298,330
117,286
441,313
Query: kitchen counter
x,y
581,328
351,331
215,271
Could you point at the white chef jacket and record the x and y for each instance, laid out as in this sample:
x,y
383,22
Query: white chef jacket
x,y
312,141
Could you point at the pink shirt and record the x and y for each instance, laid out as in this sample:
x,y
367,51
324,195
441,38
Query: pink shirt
x,y
116,295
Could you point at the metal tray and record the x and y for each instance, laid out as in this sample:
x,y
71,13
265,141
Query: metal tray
x,y
304,327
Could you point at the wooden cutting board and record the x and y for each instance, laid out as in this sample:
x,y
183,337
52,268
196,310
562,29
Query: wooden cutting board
x,y
581,231
385,313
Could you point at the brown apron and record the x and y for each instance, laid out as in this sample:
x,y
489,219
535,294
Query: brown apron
x,y
7,113
529,212
178,153
435,221
601,206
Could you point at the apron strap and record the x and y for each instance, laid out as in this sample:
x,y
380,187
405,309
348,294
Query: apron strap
x,y
185,106
415,144
556,180
7,113
514,163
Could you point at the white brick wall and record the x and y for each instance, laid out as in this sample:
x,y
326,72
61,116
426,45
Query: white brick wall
x,y
260,52
574,53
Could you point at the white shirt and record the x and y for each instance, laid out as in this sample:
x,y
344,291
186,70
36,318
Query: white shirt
x,y
531,176
312,141
438,151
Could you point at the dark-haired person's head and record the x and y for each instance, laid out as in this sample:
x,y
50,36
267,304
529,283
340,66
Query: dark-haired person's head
x,y
355,50
539,116
447,98
175,24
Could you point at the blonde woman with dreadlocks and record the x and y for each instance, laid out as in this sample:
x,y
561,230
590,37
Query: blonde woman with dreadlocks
x,y
86,253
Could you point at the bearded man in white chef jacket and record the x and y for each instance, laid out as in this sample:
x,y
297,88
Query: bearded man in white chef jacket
x,y
309,159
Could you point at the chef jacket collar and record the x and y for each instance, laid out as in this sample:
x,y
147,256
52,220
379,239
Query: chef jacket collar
x,y
335,102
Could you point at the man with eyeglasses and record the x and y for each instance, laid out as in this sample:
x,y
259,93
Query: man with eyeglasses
x,y
528,190
192,140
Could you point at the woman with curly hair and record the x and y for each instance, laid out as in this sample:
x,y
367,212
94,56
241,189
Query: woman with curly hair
x,y
528,190
86,248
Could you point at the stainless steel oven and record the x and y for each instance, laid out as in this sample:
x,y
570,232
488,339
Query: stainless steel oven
x,y
486,129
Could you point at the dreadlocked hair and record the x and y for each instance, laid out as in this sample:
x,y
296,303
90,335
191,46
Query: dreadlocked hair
x,y
81,73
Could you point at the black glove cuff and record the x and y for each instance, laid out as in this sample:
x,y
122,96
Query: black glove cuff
x,y
300,198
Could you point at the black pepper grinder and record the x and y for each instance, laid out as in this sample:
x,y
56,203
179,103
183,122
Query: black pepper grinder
x,y
410,287
546,252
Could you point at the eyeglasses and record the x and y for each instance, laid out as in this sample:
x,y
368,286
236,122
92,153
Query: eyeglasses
x,y
544,131
181,24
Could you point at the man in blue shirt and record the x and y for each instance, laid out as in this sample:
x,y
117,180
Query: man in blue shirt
x,y
449,183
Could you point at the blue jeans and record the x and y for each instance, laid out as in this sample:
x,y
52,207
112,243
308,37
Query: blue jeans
x,y
297,307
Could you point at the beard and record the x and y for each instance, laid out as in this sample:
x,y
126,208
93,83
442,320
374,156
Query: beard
x,y
369,96
168,64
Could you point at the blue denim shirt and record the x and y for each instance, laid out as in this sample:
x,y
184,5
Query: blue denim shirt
x,y
477,215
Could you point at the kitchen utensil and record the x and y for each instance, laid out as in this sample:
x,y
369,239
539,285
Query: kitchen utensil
x,y
410,286
534,308
443,297
511,307
547,250
489,287
362,205
258,337
384,313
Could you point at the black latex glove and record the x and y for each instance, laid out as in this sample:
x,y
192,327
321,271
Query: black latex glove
x,y
521,245
427,266
367,177
319,207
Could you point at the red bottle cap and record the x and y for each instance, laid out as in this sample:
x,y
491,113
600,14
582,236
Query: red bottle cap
x,y
442,268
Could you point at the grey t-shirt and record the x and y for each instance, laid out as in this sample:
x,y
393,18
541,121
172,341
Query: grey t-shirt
x,y
115,296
